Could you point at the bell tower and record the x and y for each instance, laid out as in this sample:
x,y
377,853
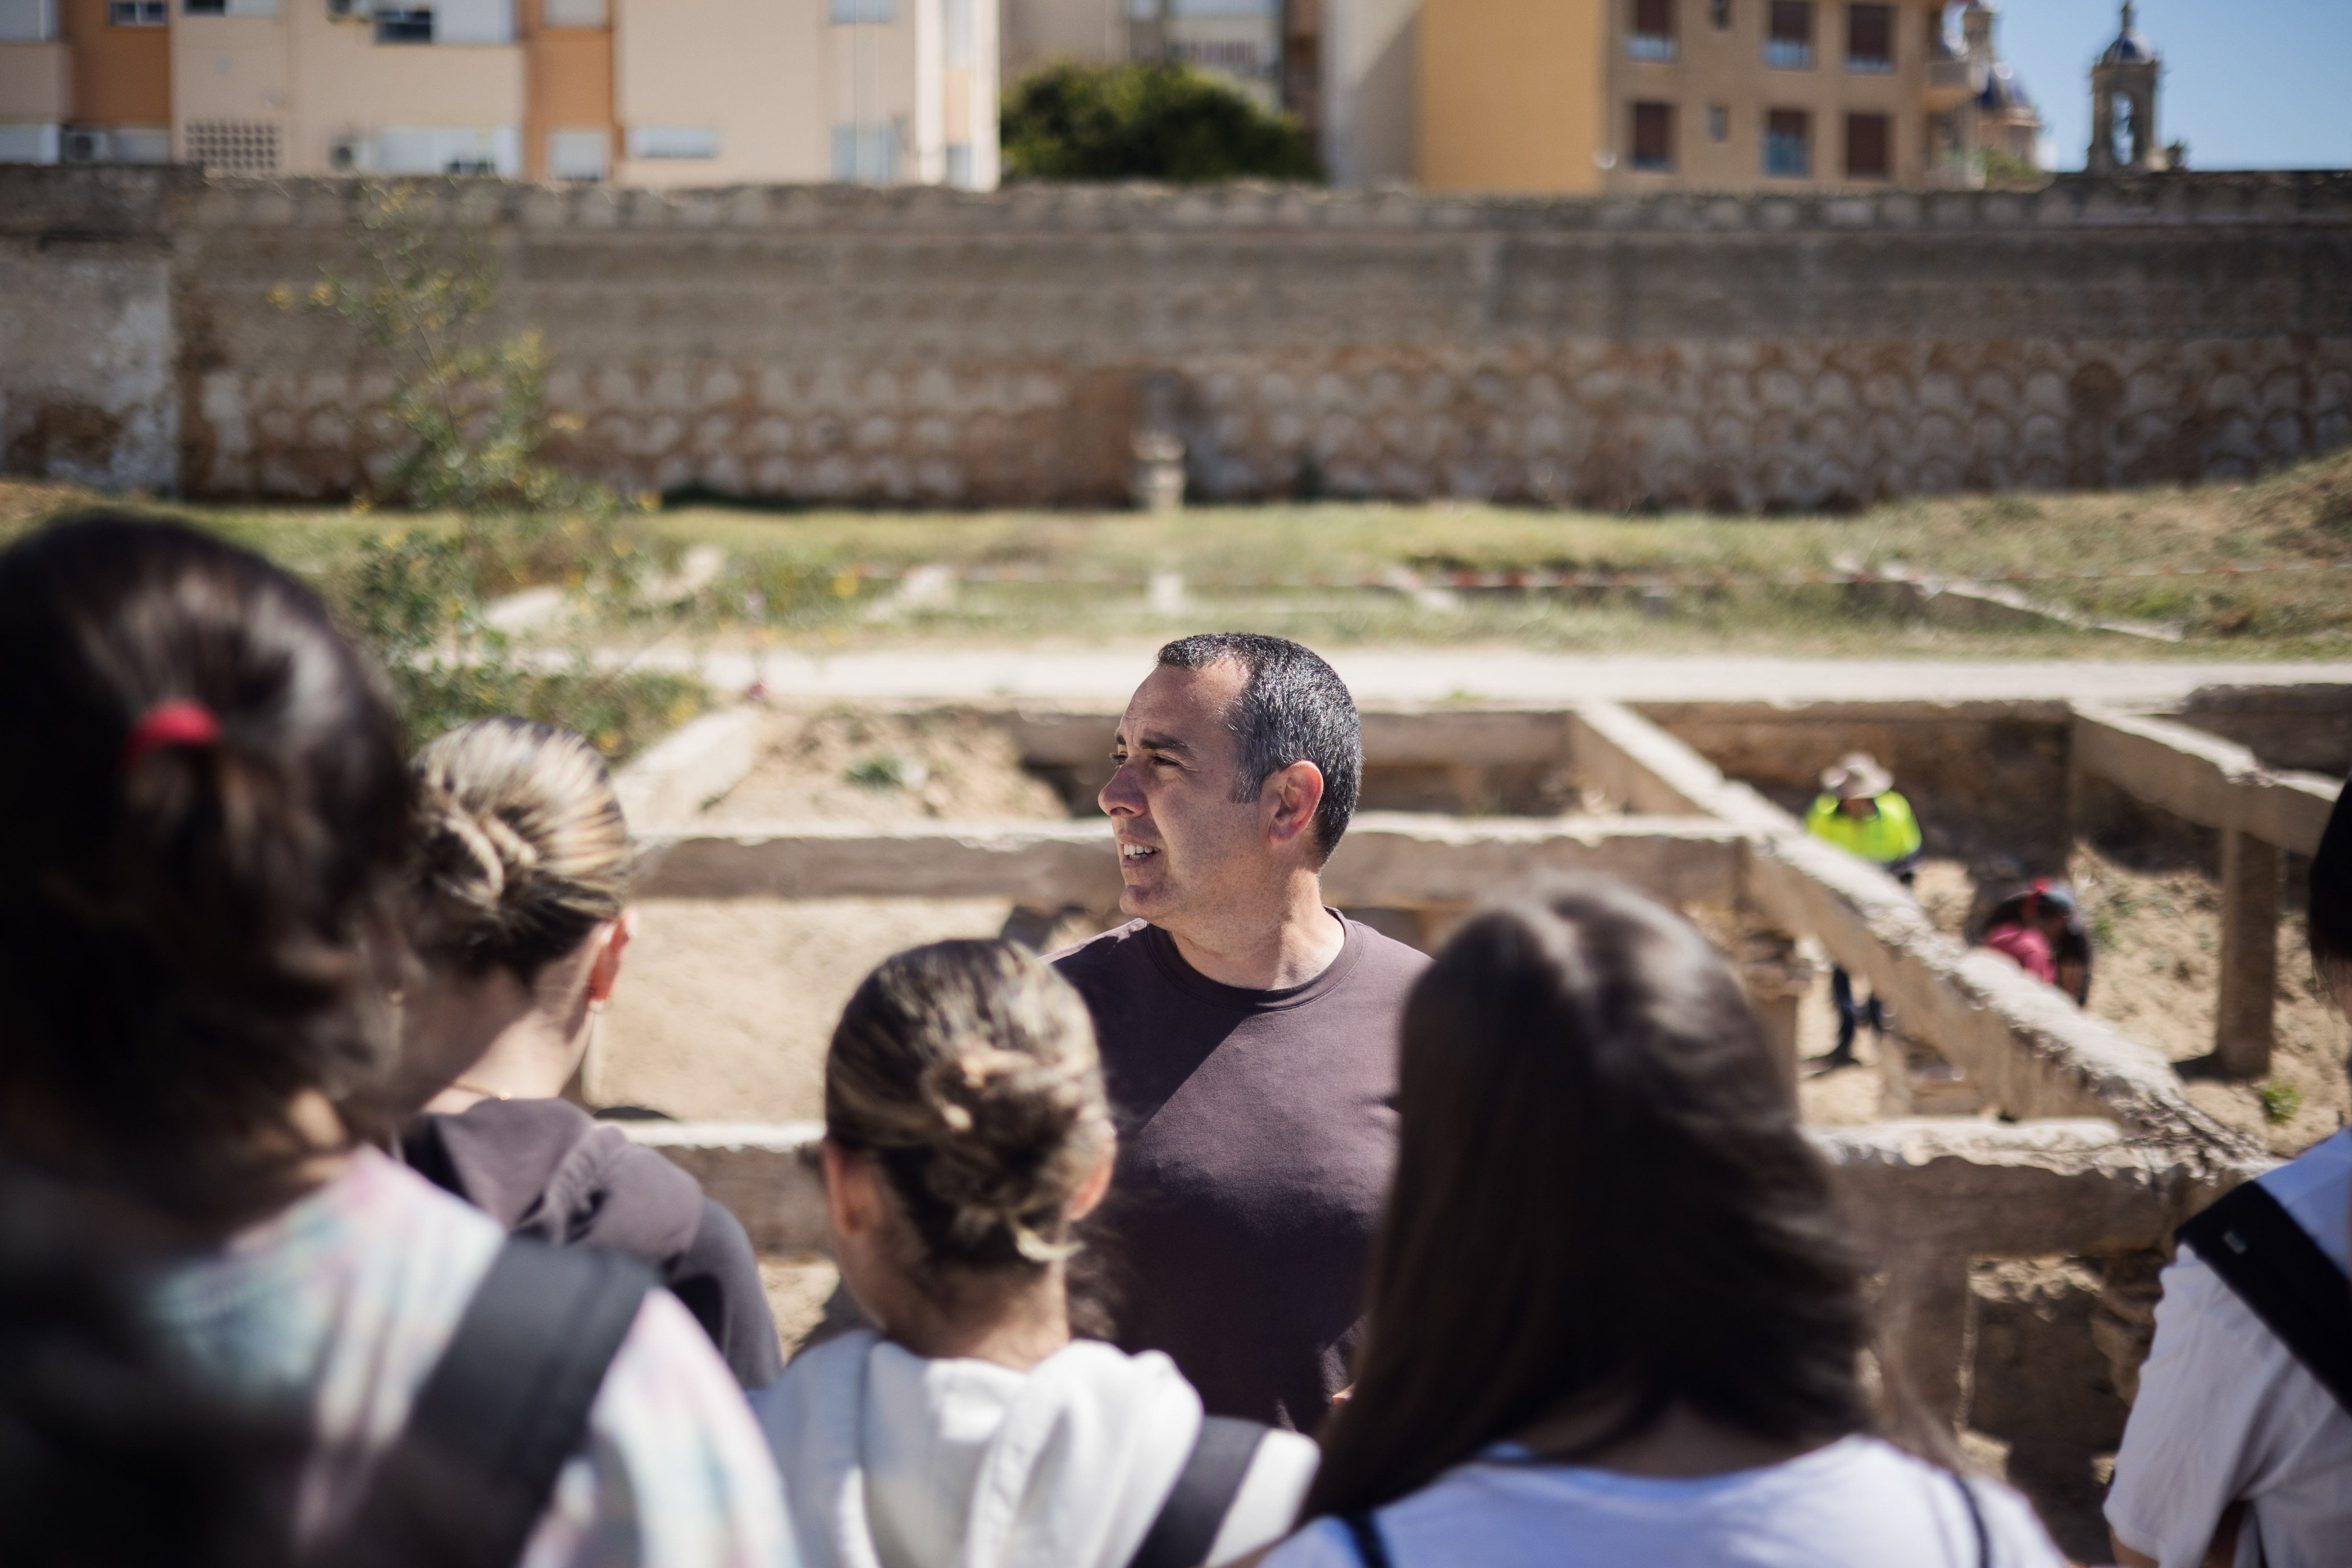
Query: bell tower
x,y
2123,106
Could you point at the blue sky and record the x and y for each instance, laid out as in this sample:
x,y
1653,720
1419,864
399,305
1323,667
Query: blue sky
x,y
2249,84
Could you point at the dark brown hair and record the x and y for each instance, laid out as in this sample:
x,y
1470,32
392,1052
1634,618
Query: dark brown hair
x,y
1601,1192
190,935
1293,708
968,1069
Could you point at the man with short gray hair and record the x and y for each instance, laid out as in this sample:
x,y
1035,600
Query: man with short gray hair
x,y
1248,1032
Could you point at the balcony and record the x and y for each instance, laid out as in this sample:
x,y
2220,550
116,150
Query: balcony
x,y
1789,54
1655,46
1950,83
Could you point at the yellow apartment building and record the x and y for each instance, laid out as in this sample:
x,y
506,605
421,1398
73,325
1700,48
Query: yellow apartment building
x,y
646,92
1563,97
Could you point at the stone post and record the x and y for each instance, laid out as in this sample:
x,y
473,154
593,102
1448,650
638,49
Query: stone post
x,y
2249,910
1930,1336
1777,974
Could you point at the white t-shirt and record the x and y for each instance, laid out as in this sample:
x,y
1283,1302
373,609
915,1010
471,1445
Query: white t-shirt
x,y
1856,1503
342,1304
2225,1411
894,1460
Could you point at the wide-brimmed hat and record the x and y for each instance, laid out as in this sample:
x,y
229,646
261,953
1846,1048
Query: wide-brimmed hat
x,y
1858,776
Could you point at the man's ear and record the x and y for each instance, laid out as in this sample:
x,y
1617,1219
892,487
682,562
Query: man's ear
x,y
1290,796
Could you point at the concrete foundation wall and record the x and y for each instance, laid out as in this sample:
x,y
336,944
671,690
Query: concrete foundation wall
x,y
2301,727
926,347
1985,777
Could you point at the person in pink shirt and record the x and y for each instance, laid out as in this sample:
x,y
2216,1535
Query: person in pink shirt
x,y
2040,930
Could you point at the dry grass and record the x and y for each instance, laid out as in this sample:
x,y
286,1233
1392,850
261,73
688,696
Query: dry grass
x,y
2171,554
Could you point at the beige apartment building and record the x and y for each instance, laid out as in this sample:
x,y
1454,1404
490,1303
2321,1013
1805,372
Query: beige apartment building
x,y
645,92
1632,95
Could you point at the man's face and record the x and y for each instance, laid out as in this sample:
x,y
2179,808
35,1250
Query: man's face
x,y
1859,806
1185,845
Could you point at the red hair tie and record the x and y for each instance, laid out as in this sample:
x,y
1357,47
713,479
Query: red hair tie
x,y
178,722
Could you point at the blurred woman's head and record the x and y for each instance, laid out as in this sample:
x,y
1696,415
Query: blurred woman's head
x,y
962,1090
205,811
517,887
1602,1197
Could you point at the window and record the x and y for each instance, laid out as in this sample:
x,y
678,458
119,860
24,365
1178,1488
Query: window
x,y
403,24
1718,12
234,146
1866,150
1653,30
138,14
28,21
673,142
571,14
578,155
1719,122
1870,38
447,149
867,153
204,7
853,13
1654,136
1789,143
1789,44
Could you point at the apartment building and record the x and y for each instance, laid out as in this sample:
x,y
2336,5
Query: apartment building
x,y
1630,96
645,92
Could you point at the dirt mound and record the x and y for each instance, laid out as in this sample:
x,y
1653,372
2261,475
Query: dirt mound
x,y
849,764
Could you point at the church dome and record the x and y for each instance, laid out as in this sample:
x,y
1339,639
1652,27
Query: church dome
x,y
2130,48
2002,90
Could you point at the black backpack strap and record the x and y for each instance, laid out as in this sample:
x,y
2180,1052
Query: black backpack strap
x,y
1976,1518
1371,1546
506,1405
2255,1245
1186,1527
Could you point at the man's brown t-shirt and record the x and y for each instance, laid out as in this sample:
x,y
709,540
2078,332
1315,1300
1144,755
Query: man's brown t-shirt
x,y
1257,1134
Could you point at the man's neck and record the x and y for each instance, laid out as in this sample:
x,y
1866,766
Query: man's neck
x,y
1270,950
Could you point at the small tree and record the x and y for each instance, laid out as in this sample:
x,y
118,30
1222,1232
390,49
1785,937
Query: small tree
x,y
471,410
1146,123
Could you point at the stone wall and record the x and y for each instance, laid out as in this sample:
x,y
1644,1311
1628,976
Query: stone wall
x,y
921,346
87,389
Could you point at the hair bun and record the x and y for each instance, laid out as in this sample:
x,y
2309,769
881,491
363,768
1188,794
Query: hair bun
x,y
970,1067
521,845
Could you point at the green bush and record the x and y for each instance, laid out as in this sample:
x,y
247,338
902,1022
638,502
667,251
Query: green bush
x,y
1146,123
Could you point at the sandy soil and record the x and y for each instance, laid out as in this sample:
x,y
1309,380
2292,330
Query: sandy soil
x,y
797,1288
844,765
726,1006
724,1009
2156,938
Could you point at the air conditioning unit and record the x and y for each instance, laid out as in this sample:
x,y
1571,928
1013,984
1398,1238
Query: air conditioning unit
x,y
77,146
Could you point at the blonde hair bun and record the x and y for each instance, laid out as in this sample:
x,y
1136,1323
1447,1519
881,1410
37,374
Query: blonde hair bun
x,y
969,1069
520,847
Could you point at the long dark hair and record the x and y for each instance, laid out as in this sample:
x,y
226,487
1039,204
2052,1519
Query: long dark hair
x,y
1601,1192
192,914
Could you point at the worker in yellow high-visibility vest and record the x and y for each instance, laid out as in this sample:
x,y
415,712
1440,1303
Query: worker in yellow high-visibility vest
x,y
1859,811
